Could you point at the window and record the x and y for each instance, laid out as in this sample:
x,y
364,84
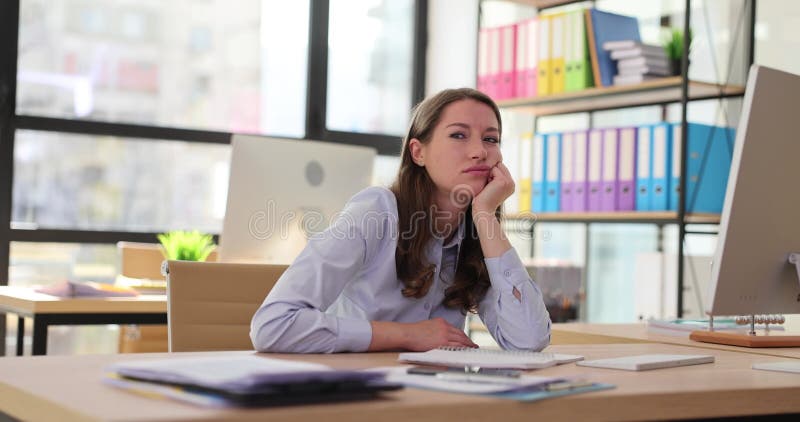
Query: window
x,y
83,182
122,111
233,69
370,61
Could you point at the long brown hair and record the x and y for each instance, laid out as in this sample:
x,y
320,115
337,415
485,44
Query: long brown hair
x,y
414,190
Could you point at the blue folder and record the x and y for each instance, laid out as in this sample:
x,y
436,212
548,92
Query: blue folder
x,y
708,162
538,168
644,165
606,27
552,172
661,171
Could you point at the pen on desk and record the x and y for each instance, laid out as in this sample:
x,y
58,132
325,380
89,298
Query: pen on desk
x,y
508,373
477,378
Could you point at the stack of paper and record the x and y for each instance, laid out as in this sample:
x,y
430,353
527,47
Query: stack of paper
x,y
522,388
250,379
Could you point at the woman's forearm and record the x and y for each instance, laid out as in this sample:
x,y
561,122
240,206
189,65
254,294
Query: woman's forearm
x,y
417,336
493,239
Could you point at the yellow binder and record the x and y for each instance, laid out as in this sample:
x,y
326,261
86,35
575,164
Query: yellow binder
x,y
544,66
524,186
557,56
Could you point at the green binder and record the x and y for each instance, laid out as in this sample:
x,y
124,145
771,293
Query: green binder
x,y
578,66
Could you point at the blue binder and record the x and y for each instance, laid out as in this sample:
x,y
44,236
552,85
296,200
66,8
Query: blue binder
x,y
661,171
708,162
644,164
552,201
708,165
538,173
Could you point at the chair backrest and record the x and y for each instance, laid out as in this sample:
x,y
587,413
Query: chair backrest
x,y
210,304
140,260
143,260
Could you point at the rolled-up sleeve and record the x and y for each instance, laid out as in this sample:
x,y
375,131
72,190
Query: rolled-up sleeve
x,y
516,324
292,318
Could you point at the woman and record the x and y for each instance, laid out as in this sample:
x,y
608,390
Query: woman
x,y
400,267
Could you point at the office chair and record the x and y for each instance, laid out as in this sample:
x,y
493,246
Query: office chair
x,y
210,304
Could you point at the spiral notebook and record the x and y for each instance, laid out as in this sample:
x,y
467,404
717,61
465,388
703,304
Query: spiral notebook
x,y
462,357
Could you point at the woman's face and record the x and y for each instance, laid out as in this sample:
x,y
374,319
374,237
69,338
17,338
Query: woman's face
x,y
464,147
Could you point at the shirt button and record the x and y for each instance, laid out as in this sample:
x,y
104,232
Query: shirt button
x,y
507,273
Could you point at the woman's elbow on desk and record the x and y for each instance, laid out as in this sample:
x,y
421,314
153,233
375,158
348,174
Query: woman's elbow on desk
x,y
535,340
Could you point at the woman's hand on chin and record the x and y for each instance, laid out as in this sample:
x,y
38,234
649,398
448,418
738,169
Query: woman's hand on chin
x,y
499,187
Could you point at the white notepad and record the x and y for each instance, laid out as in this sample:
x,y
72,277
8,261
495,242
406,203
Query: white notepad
x,y
646,362
782,366
487,358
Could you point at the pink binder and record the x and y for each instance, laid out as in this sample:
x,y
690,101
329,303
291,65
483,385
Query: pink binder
x,y
520,86
493,86
595,172
610,180
532,58
508,57
626,187
484,81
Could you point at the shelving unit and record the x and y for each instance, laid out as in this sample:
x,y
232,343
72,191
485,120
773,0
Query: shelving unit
x,y
657,217
663,91
544,4
655,92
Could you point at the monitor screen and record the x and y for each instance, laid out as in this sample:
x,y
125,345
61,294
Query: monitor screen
x,y
283,190
760,223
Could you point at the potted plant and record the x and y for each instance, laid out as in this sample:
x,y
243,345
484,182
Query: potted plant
x,y
186,245
673,46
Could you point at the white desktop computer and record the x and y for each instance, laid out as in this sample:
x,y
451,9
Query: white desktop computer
x,y
752,270
281,191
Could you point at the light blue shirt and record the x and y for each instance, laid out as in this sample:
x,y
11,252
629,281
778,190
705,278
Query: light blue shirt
x,y
346,277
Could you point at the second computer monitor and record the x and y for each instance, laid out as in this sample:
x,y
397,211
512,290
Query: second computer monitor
x,y
761,216
283,190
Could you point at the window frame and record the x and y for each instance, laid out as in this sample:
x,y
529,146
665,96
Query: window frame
x,y
315,127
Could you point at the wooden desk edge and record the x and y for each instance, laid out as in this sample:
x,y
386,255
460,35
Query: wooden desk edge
x,y
23,405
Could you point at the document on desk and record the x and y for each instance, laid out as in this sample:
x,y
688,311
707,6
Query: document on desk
x,y
248,379
647,362
461,357
522,388
782,366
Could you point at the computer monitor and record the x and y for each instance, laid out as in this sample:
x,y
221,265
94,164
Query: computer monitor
x,y
760,228
281,191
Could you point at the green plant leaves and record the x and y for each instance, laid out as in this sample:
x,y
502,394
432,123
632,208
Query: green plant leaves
x,y
673,43
186,245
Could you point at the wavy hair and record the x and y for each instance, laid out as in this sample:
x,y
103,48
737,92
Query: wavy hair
x,y
414,190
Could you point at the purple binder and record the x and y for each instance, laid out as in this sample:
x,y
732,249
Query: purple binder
x,y
610,180
567,171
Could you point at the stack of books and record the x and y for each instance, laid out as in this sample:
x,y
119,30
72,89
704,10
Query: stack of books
x,y
637,62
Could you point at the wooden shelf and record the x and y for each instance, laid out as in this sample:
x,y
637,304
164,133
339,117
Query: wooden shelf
x,y
543,4
662,217
658,91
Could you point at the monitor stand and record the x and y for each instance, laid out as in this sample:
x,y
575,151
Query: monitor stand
x,y
751,339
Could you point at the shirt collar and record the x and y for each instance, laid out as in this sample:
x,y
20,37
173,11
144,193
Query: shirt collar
x,y
457,238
